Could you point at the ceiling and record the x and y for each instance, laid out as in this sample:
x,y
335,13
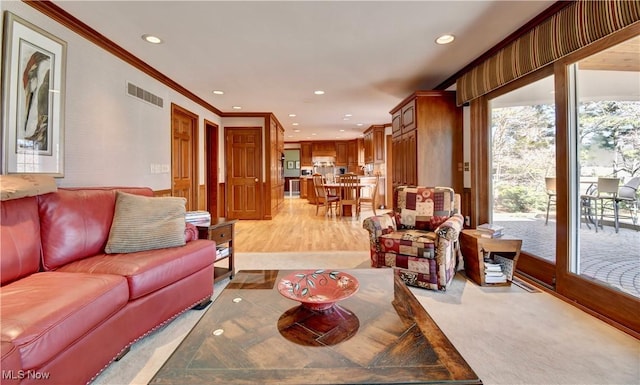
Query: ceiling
x,y
270,56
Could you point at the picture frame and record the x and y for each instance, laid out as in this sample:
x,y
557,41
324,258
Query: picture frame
x,y
297,164
33,93
289,164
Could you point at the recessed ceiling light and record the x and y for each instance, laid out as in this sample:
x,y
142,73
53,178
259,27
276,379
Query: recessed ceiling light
x,y
218,92
292,115
360,124
348,115
295,124
341,130
318,92
236,107
296,130
313,134
152,39
345,118
445,39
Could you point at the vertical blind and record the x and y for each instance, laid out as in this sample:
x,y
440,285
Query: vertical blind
x,y
572,28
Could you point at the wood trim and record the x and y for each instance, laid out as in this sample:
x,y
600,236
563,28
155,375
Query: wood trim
x,y
63,17
550,11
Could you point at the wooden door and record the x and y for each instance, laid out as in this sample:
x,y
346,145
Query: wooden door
x,y
184,155
243,149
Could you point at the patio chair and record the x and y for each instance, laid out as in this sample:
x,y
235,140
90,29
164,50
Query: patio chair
x,y
608,195
628,197
550,183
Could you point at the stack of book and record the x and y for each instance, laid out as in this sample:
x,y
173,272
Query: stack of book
x,y
493,273
197,217
490,230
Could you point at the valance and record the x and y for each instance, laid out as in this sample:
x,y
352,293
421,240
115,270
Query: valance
x,y
572,28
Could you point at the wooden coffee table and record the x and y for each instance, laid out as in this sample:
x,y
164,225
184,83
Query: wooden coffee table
x,y
253,335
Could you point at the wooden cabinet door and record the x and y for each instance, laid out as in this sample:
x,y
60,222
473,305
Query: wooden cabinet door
x,y
306,154
409,116
368,147
396,123
378,145
398,161
342,156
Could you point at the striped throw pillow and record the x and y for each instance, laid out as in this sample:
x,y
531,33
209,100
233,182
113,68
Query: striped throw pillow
x,y
146,223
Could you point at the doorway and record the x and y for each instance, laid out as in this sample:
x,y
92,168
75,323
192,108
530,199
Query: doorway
x,y
244,191
211,168
184,155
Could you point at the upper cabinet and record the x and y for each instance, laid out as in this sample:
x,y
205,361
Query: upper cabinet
x,y
374,144
306,157
427,140
342,156
324,148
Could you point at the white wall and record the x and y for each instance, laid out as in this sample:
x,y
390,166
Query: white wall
x,y
112,138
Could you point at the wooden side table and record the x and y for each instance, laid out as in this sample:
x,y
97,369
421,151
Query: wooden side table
x,y
476,248
221,231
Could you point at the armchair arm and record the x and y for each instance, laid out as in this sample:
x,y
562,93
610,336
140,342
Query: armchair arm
x,y
379,225
451,228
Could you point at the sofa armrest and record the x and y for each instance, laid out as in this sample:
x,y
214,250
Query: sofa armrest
x,y
190,232
451,228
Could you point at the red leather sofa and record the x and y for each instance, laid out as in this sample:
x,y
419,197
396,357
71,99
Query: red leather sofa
x,y
67,309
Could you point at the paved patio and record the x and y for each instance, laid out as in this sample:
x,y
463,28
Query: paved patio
x,y
607,256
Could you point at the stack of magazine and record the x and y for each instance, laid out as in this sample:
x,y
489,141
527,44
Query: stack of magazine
x,y
490,230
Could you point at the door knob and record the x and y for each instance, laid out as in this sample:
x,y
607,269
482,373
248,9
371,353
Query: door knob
x,y
256,180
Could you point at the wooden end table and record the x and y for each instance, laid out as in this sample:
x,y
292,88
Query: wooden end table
x,y
476,248
221,231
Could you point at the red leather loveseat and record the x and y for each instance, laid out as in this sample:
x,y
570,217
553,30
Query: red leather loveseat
x,y
68,309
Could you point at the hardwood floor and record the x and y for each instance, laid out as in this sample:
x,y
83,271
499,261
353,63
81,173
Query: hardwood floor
x,y
297,228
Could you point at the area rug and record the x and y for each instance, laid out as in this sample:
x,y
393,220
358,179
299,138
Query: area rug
x,y
506,334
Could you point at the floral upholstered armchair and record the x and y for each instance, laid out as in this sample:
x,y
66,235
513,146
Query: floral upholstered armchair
x,y
419,238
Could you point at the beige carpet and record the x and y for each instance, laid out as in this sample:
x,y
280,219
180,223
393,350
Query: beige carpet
x,y
506,334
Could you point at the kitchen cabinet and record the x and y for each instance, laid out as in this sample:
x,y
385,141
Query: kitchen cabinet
x,y
353,160
342,156
374,144
306,156
324,148
427,140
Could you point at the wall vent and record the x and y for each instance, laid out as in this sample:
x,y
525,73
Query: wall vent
x,y
144,95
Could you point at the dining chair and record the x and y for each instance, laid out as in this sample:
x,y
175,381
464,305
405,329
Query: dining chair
x,y
607,196
323,197
550,183
371,199
349,193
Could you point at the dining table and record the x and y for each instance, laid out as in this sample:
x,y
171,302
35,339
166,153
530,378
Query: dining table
x,y
337,188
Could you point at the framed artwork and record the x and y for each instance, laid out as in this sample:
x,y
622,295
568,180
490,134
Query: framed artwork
x,y
297,164
290,164
33,70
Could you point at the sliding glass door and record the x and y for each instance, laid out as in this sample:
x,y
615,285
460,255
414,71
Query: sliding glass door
x,y
605,167
523,171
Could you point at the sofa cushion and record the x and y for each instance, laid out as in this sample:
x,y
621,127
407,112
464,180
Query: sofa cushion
x,y
146,223
424,208
19,238
75,222
44,313
148,271
414,243
10,363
